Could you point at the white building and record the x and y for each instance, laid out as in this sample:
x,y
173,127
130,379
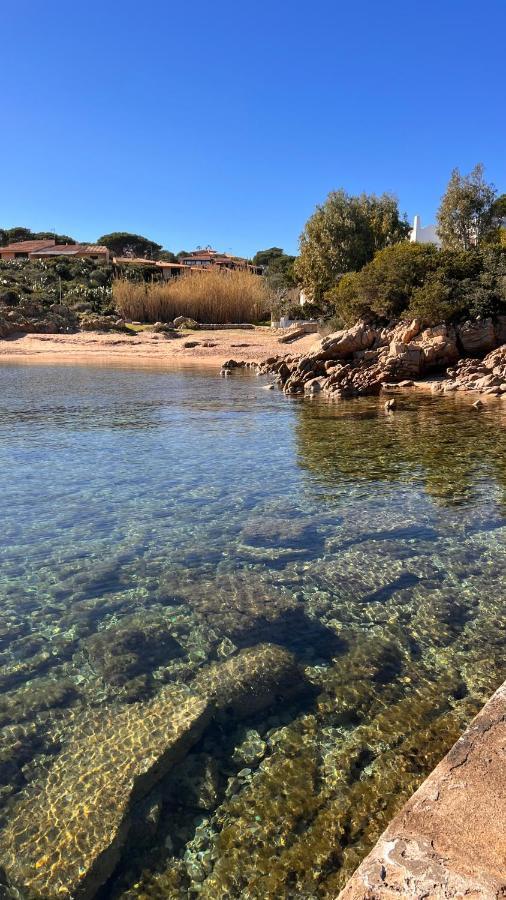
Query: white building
x,y
427,235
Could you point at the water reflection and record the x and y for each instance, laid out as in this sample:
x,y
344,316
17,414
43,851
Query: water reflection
x,y
442,444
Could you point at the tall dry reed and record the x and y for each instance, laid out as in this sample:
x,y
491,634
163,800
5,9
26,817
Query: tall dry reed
x,y
207,296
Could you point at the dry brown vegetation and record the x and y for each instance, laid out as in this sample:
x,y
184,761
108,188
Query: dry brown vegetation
x,y
208,296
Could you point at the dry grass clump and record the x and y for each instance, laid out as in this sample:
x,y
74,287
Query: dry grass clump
x,y
208,296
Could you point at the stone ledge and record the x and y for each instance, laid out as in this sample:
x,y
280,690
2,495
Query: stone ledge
x,y
449,840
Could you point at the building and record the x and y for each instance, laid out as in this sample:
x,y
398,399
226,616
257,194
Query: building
x,y
426,235
23,249
166,269
97,252
207,258
49,248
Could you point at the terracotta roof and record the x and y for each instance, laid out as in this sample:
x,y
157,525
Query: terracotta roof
x,y
70,249
169,265
134,260
27,246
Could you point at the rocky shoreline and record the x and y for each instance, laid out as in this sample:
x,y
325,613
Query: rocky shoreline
x,y
367,359
449,840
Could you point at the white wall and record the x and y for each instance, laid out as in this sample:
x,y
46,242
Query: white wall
x,y
427,235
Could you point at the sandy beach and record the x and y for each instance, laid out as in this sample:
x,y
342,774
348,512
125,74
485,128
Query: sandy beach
x,y
208,348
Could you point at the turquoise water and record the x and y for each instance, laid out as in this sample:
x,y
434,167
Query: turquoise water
x,y
155,521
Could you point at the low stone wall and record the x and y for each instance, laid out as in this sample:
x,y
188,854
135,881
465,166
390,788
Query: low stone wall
x,y
246,326
449,840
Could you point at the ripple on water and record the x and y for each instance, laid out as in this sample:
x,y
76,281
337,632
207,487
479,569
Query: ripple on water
x,y
155,523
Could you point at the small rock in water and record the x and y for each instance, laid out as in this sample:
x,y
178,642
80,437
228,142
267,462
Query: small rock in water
x,y
390,404
251,750
478,404
268,387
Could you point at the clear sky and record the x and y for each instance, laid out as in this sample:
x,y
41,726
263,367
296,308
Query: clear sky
x,y
226,123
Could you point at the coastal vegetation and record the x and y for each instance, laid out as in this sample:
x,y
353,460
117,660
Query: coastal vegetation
x,y
355,261
122,243
467,212
420,280
343,235
80,284
20,233
209,296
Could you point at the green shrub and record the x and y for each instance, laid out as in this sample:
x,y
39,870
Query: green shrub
x,y
419,280
467,283
383,288
48,281
9,298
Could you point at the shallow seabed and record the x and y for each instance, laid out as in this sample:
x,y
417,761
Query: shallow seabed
x,y
153,522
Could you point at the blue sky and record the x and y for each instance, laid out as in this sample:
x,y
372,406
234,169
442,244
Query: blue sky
x,y
226,123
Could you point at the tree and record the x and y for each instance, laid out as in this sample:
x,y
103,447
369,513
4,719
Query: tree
x,y
465,215
50,235
265,257
19,233
342,235
167,256
385,285
420,280
122,243
499,208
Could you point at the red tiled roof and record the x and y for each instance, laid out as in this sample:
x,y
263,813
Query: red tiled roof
x,y
71,249
169,265
27,246
134,260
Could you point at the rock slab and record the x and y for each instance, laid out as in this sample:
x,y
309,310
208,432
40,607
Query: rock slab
x,y
251,681
64,837
449,840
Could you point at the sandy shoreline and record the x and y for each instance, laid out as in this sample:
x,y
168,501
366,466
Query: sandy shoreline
x,y
196,348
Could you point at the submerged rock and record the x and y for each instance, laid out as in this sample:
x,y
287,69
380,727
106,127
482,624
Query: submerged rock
x,y
136,646
64,836
251,681
195,782
278,532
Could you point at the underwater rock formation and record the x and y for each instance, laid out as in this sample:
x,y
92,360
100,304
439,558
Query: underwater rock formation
x,y
64,837
251,681
137,645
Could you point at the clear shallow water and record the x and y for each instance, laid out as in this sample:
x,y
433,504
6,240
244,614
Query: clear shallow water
x,y
153,522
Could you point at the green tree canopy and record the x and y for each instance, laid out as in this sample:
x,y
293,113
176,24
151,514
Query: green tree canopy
x,y
385,285
499,207
167,256
419,280
122,243
342,235
19,233
466,215
265,257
